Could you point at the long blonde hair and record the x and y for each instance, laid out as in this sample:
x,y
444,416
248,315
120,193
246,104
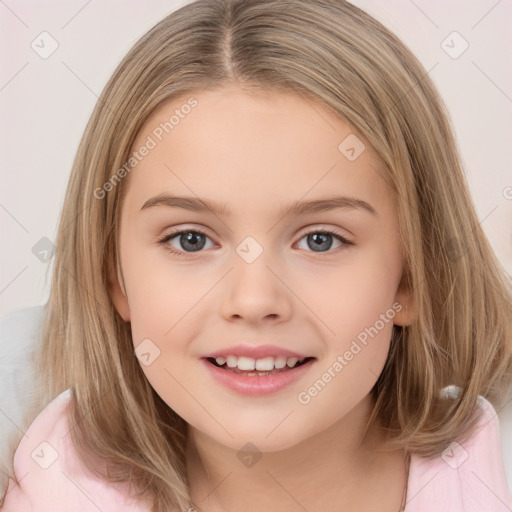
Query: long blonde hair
x,y
328,51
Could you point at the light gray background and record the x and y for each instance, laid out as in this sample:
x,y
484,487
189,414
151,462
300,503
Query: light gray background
x,y
45,105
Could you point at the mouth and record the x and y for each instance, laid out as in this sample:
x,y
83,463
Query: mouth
x,y
262,367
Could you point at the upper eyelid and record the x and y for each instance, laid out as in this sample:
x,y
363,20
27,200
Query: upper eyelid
x,y
313,228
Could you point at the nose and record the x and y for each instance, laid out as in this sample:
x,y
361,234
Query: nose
x,y
257,293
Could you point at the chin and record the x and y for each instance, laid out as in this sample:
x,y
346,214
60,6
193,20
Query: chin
x,y
265,435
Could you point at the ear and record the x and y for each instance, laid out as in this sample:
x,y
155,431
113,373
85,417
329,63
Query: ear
x,y
405,314
117,290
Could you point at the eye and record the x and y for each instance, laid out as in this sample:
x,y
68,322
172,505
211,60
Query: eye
x,y
191,240
322,240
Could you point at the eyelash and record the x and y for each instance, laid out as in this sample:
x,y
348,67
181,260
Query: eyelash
x,y
163,241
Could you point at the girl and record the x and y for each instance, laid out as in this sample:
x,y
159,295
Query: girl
x,y
202,349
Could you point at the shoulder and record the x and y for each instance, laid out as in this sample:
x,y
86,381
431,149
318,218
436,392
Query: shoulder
x,y
469,476
49,475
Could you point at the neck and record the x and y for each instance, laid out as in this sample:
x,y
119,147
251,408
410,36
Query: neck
x,y
337,465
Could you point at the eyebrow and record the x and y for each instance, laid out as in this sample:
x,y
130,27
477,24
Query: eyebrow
x,y
295,208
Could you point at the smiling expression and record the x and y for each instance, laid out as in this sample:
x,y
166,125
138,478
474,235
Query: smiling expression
x,y
252,242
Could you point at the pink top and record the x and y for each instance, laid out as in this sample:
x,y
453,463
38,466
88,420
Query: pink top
x,y
469,478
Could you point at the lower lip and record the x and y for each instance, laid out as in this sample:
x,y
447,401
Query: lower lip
x,y
257,385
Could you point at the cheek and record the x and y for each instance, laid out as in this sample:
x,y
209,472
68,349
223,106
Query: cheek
x,y
353,295
165,302
360,312
162,293
359,308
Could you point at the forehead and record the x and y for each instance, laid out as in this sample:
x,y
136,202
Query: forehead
x,y
243,147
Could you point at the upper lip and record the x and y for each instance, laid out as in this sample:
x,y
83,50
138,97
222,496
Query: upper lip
x,y
256,352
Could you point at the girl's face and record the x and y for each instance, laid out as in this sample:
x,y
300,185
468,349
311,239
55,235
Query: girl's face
x,y
280,265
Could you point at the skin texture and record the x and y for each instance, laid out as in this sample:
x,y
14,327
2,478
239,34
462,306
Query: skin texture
x,y
258,152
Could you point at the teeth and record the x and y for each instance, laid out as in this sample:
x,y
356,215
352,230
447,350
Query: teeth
x,y
292,361
280,362
264,364
246,363
232,361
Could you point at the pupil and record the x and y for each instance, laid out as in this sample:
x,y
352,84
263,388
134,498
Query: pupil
x,y
192,239
319,239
